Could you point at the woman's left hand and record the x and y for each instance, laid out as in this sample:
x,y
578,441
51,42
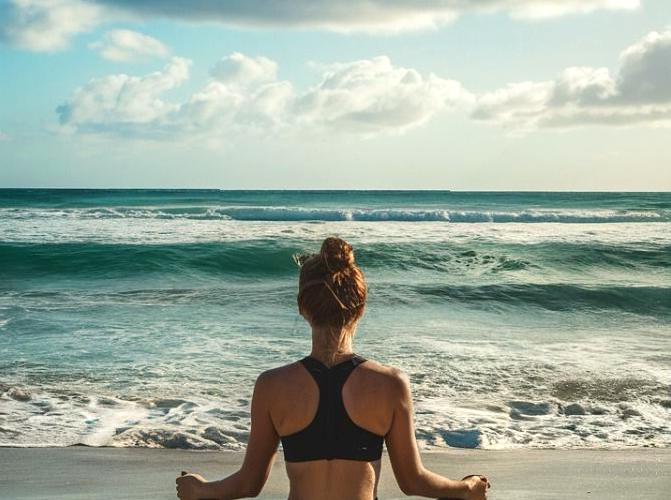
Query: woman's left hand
x,y
190,486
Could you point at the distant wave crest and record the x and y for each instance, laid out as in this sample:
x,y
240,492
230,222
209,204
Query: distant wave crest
x,y
276,213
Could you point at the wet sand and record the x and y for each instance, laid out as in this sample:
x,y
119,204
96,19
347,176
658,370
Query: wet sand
x,y
122,473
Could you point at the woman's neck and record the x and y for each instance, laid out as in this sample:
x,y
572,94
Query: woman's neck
x,y
330,346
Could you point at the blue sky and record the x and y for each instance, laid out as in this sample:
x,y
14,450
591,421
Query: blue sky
x,y
488,94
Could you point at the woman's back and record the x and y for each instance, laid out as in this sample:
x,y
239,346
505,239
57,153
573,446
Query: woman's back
x,y
349,466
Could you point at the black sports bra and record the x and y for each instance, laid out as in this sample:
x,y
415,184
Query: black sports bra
x,y
332,434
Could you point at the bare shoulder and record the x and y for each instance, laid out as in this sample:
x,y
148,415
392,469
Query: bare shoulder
x,y
393,379
277,377
374,366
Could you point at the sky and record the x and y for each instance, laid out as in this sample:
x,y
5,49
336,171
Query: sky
x,y
297,94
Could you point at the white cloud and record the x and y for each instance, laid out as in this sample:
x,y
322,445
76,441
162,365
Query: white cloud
x,y
372,95
645,75
238,69
47,25
365,97
4,137
126,104
127,46
543,9
639,93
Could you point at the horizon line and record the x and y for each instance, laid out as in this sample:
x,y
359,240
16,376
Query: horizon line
x,y
437,190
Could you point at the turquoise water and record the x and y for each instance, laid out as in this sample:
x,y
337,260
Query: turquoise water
x,y
142,317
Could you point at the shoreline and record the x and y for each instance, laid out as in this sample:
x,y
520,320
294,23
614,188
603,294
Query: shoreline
x,y
83,472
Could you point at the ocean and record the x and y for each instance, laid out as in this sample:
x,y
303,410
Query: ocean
x,y
142,317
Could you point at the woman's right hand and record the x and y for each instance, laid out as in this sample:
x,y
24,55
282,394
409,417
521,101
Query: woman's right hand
x,y
477,487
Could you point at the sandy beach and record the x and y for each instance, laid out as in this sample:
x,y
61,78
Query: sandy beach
x,y
113,473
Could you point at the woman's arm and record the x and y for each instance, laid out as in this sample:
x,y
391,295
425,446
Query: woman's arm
x,y
411,476
259,457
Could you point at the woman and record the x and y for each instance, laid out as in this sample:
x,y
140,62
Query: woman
x,y
333,409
